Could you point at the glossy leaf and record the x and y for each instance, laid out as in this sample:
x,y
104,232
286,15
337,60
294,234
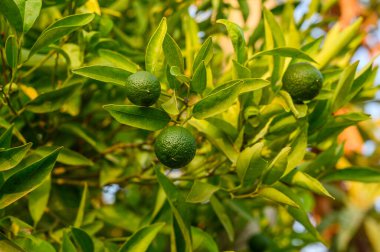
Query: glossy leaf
x,y
360,174
223,217
306,181
140,117
205,53
11,51
154,56
343,87
60,29
277,196
217,102
201,192
10,9
277,167
250,165
171,106
217,137
107,74
26,180
141,240
237,37
9,158
176,72
52,100
199,80
119,60
172,53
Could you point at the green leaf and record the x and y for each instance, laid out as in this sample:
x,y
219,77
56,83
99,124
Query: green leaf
x,y
10,9
277,167
201,192
217,137
107,74
173,53
202,241
31,13
141,240
154,56
178,206
298,145
223,217
217,102
6,137
343,88
66,156
26,180
171,106
299,214
59,29
67,245
205,53
80,214
240,71
9,158
140,117
284,52
250,164
277,196
11,51
275,28
199,81
306,181
83,240
336,40
176,72
236,35
119,60
38,199
360,174
52,100
81,132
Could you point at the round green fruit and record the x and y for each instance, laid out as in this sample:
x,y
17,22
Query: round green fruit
x,y
302,81
259,243
143,88
175,146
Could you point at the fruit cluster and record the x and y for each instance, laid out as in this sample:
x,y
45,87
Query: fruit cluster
x,y
175,146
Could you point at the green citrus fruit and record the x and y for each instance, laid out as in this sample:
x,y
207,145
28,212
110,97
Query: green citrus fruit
x,y
302,81
143,88
259,243
175,147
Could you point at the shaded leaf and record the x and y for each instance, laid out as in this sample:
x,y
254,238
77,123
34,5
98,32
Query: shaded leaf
x,y
66,156
202,241
223,217
38,199
199,80
277,167
11,51
80,214
6,137
53,100
172,53
83,240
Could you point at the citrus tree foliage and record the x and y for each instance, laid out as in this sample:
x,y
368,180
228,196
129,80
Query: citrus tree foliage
x,y
77,165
